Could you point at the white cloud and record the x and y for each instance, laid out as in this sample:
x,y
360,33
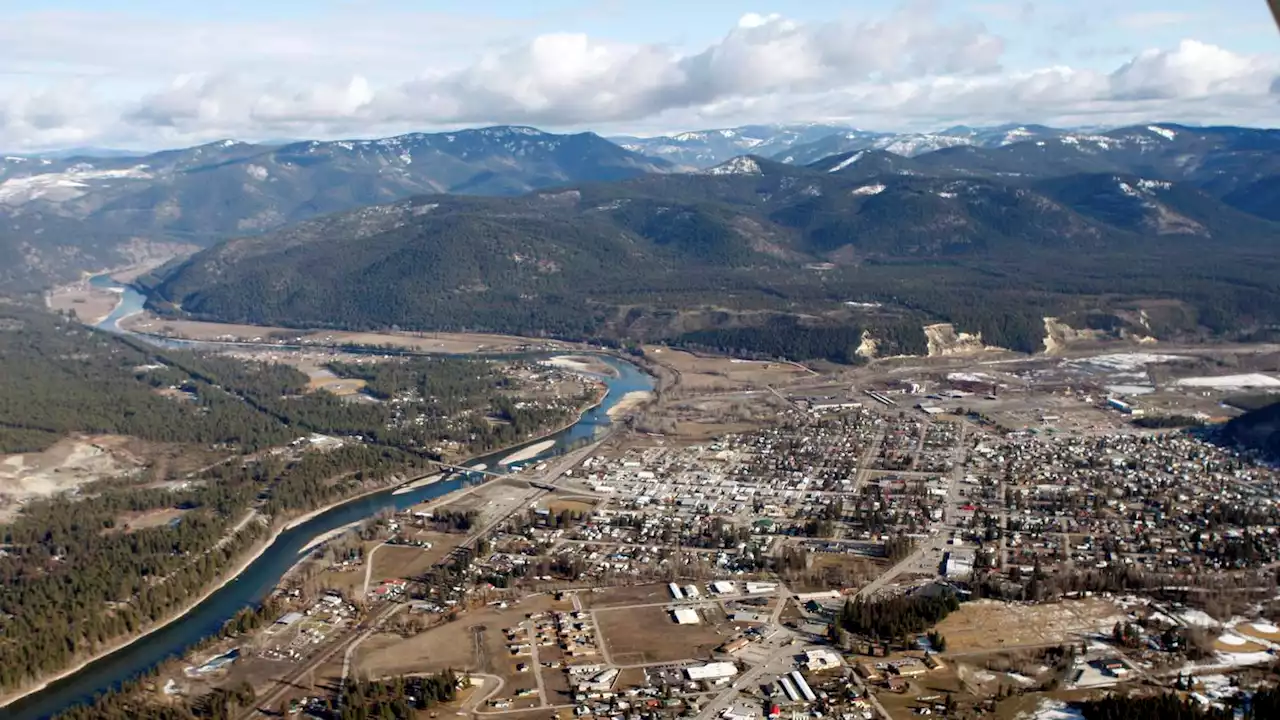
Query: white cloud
x,y
909,69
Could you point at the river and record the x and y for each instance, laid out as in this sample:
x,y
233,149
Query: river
x,y
260,577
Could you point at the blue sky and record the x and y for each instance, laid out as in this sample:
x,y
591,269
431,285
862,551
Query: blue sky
x,y
145,73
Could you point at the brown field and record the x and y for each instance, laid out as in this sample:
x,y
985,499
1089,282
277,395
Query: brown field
x,y
701,373
1249,631
90,304
1248,647
989,625
648,635
474,642
577,506
620,596
424,342
838,570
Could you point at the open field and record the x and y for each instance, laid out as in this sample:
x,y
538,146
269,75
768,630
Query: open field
x,y
621,596
422,342
639,635
1259,630
985,625
473,643
91,305
699,373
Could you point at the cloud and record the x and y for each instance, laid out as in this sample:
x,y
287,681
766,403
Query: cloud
x,y
910,68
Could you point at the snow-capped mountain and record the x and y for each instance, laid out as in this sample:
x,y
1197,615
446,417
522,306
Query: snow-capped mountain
x,y
913,144
706,148
204,193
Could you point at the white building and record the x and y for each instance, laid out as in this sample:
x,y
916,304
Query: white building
x,y
712,671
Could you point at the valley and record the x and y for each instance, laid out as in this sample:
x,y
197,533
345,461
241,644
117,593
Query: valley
x,y
557,426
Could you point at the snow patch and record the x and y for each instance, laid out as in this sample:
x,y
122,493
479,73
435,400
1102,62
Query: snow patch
x,y
1165,133
62,186
875,189
1119,362
847,161
737,166
1055,710
1231,382
257,172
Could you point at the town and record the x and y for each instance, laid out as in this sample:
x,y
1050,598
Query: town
x,y
885,549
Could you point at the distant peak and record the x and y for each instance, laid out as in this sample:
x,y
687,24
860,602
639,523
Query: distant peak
x,y
741,165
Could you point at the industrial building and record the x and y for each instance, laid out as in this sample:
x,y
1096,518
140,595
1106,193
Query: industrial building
x,y
711,671
686,616
676,592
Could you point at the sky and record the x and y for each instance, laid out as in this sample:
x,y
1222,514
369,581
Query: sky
x,y
148,74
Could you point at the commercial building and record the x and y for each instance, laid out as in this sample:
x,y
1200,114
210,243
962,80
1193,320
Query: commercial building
x,y
686,616
711,671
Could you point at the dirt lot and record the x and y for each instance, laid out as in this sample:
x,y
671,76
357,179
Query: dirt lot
x,y
648,635
81,459
619,596
989,625
425,342
475,642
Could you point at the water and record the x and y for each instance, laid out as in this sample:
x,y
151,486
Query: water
x,y
257,581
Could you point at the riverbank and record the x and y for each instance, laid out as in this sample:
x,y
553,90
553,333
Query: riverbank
x,y
135,662
629,402
255,551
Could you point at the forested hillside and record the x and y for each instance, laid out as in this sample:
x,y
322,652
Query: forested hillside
x,y
761,258
64,215
67,558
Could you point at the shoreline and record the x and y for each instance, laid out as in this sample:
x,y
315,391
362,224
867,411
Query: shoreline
x,y
257,552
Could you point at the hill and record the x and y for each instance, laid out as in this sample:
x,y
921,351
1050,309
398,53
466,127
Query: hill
x,y
62,215
757,256
1258,429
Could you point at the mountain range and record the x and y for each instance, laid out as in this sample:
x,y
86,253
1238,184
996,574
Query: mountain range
x,y
1138,232
62,215
59,216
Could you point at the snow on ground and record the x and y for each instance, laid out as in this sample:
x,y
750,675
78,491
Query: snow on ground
x,y
1231,382
1265,628
847,162
61,186
1229,639
737,166
869,190
1054,710
1227,661
1197,618
969,377
1130,389
1123,361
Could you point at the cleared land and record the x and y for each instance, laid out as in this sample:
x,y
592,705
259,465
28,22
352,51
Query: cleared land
x,y
699,373
622,596
423,342
989,625
475,643
91,305
642,635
